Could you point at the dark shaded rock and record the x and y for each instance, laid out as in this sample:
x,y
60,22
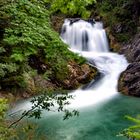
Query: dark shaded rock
x,y
132,49
37,64
73,20
92,21
118,28
129,82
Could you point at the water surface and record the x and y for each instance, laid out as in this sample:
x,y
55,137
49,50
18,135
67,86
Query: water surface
x,y
98,122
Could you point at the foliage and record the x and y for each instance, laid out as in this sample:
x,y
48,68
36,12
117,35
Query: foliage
x,y
5,132
121,16
71,7
28,131
132,132
3,108
29,43
49,102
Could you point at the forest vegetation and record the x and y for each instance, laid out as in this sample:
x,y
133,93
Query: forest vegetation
x,y
30,47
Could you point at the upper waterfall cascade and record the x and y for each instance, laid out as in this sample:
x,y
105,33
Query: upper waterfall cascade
x,y
85,36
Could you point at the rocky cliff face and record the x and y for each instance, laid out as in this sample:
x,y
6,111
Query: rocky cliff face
x,y
132,49
122,19
129,82
78,75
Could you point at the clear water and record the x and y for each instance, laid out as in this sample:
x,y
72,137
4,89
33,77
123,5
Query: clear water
x,y
98,122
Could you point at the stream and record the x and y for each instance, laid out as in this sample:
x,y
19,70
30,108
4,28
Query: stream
x,y
102,108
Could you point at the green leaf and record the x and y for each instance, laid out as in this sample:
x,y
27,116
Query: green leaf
x,y
17,57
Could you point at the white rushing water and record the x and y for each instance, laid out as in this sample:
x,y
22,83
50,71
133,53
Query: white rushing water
x,y
90,41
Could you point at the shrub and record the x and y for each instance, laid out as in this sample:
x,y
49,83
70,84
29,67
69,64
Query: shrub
x,y
71,7
30,37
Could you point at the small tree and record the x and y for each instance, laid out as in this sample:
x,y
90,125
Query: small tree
x,y
49,102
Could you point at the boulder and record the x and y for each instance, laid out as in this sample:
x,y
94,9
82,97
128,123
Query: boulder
x,y
129,82
78,75
132,49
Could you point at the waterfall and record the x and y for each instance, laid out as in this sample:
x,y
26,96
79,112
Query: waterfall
x,y
89,40
85,36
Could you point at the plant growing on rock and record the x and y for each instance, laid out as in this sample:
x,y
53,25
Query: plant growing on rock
x,y
121,16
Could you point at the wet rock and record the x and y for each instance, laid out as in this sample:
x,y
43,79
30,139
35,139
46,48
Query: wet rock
x,y
129,82
78,75
73,20
132,49
57,22
114,45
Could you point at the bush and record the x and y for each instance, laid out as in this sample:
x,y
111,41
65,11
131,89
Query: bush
x,y
5,133
132,132
29,43
71,7
121,16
